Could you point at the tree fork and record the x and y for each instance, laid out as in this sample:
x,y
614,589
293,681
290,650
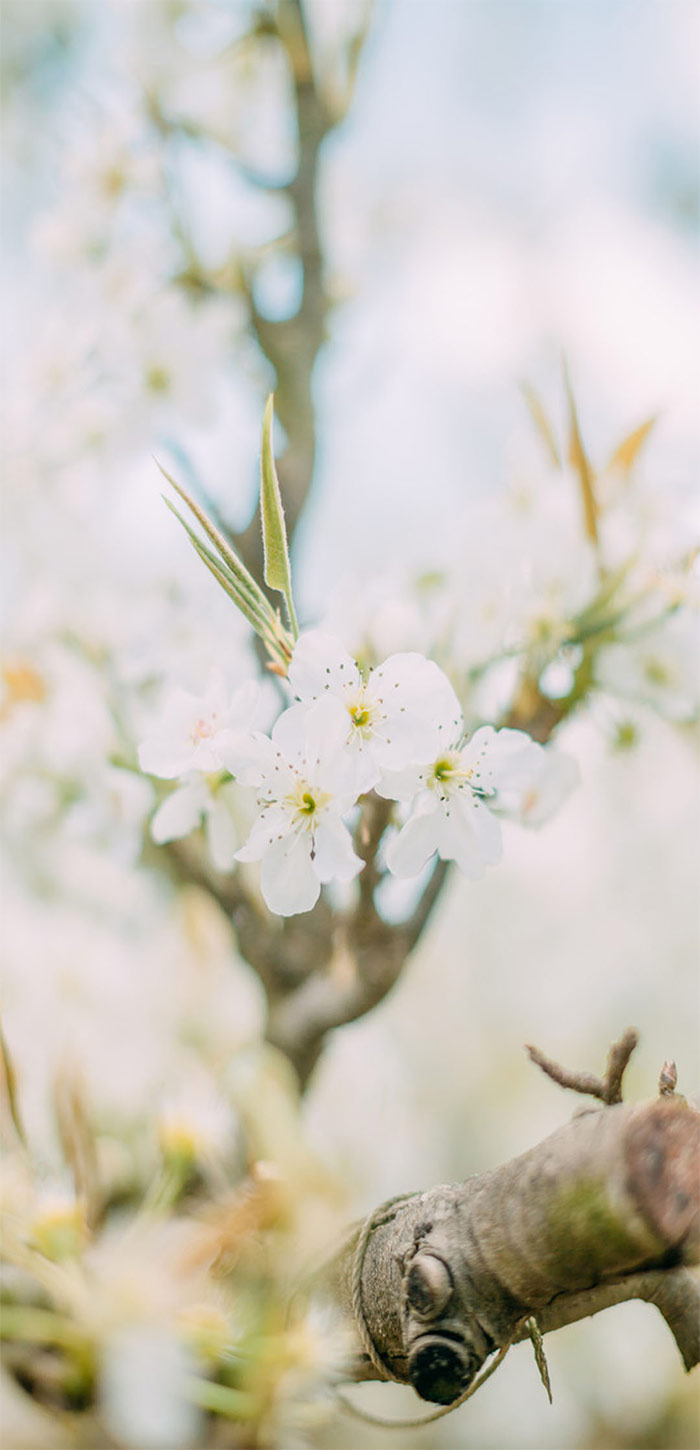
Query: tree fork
x,y
604,1210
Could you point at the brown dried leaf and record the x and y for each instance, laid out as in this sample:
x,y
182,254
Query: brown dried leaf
x,y
578,458
626,453
541,422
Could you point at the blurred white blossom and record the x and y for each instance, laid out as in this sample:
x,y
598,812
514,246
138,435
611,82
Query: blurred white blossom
x,y
192,804
658,666
192,730
143,1389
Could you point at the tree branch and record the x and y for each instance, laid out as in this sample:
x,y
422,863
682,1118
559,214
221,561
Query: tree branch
x,y
292,344
367,958
604,1210
608,1088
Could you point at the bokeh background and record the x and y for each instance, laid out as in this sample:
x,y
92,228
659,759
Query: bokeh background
x,y
510,182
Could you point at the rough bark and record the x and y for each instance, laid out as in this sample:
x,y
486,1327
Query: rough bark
x,y
604,1210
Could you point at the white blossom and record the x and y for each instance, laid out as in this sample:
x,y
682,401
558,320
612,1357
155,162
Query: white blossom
x,y
453,798
535,784
143,1388
658,668
394,716
305,787
189,732
165,359
195,1121
192,804
111,812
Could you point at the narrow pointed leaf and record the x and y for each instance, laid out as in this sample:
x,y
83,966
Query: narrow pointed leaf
x,y
227,554
578,458
625,455
246,599
264,629
541,422
245,594
8,1088
276,551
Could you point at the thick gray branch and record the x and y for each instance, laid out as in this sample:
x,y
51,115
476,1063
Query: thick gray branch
x,y
606,1209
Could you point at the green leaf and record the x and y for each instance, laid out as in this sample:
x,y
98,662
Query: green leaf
x,y
226,553
237,582
276,551
256,613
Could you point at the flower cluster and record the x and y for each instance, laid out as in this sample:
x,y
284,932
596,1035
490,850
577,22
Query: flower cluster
x,y
397,729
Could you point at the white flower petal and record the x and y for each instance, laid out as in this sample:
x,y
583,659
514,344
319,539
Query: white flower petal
x,y
179,813
534,799
246,705
220,834
251,758
417,684
143,1389
658,667
401,739
272,825
288,881
476,818
314,737
165,755
289,733
364,771
320,665
458,842
205,756
399,785
334,856
329,760
416,842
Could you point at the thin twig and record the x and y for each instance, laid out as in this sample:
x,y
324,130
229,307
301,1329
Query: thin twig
x,y
607,1089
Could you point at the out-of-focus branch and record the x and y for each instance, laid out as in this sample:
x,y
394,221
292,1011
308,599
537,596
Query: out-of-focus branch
x,y
366,960
366,955
606,1209
292,344
326,968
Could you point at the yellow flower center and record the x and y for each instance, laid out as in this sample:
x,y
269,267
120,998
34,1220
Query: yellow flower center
x,y
656,672
305,802
362,712
158,379
448,770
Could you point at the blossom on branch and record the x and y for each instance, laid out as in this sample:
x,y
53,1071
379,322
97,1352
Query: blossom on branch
x,y
454,798
191,728
305,787
393,717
